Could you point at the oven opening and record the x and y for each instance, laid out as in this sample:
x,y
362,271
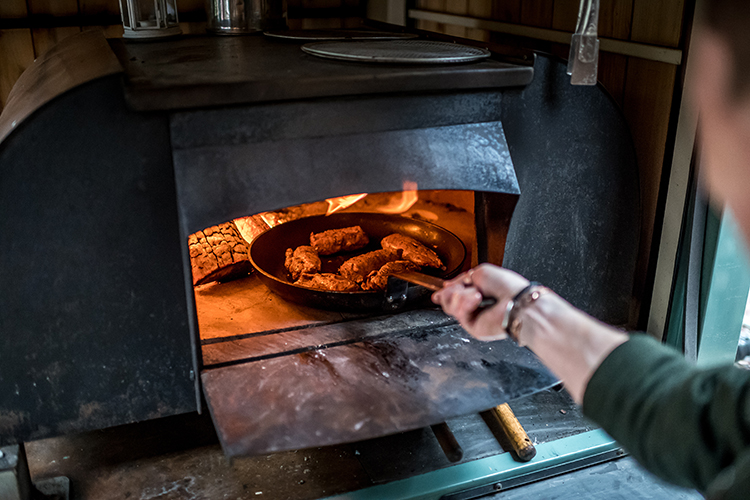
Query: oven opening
x,y
233,299
286,366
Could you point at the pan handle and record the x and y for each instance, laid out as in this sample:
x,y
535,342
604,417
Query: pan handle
x,y
397,286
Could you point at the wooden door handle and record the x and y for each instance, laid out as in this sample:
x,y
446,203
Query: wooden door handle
x,y
515,433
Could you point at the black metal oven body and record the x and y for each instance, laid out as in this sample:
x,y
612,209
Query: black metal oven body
x,y
104,173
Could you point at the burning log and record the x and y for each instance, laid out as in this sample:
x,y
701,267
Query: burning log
x,y
218,253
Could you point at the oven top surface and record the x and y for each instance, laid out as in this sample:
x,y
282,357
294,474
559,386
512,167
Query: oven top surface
x,y
199,71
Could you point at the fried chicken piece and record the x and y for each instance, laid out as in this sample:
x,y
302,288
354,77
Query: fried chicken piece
x,y
359,267
333,241
378,280
327,281
301,260
412,250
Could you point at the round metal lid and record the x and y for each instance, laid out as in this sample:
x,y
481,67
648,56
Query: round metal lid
x,y
397,51
337,34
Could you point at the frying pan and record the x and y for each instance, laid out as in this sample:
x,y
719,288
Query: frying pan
x,y
267,256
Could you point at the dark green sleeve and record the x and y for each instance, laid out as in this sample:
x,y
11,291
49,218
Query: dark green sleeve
x,y
682,423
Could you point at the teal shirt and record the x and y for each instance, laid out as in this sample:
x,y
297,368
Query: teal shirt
x,y
687,425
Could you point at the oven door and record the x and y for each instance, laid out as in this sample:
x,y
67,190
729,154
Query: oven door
x,y
360,379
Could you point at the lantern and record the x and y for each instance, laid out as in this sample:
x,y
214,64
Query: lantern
x,y
149,18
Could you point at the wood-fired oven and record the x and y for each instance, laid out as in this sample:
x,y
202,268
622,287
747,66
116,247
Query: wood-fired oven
x,y
113,153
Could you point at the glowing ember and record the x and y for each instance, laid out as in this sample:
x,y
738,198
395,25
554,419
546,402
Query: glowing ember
x,y
400,205
342,202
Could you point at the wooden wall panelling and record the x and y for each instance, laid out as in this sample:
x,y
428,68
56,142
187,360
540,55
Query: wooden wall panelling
x,y
294,23
103,7
351,22
437,6
17,50
111,31
615,18
100,7
460,7
13,9
564,18
508,11
612,71
481,9
193,28
191,5
45,38
537,13
349,6
419,24
321,23
565,15
647,99
658,23
649,88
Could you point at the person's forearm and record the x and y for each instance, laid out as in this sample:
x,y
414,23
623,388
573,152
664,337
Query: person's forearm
x,y
569,342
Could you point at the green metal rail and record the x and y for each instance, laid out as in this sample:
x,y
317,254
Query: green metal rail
x,y
500,472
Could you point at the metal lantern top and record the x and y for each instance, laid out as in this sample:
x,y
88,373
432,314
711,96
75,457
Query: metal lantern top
x,y
149,18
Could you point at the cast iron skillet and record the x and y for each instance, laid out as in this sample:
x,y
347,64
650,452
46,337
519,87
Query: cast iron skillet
x,y
267,256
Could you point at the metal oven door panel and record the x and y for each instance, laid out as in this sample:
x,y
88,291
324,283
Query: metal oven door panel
x,y
374,385
217,182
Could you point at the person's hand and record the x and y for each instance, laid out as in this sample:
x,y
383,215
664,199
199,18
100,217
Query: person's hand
x,y
461,296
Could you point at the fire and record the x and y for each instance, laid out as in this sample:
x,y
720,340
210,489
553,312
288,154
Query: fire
x,y
407,199
270,218
342,202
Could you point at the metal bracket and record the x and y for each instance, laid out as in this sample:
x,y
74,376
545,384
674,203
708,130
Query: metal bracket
x,y
15,481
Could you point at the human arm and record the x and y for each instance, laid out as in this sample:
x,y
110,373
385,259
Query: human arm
x,y
573,357
687,425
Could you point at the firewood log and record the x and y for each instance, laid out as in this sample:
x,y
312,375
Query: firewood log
x,y
218,253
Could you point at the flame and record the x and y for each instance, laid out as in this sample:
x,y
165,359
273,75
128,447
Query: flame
x,y
426,214
342,202
270,218
408,198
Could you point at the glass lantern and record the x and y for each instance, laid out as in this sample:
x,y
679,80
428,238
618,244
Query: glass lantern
x,y
149,18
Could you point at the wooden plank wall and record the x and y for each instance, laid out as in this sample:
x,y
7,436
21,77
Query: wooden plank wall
x,y
644,89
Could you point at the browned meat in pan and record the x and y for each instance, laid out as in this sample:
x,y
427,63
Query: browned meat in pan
x,y
333,241
301,260
412,250
378,280
357,268
327,281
